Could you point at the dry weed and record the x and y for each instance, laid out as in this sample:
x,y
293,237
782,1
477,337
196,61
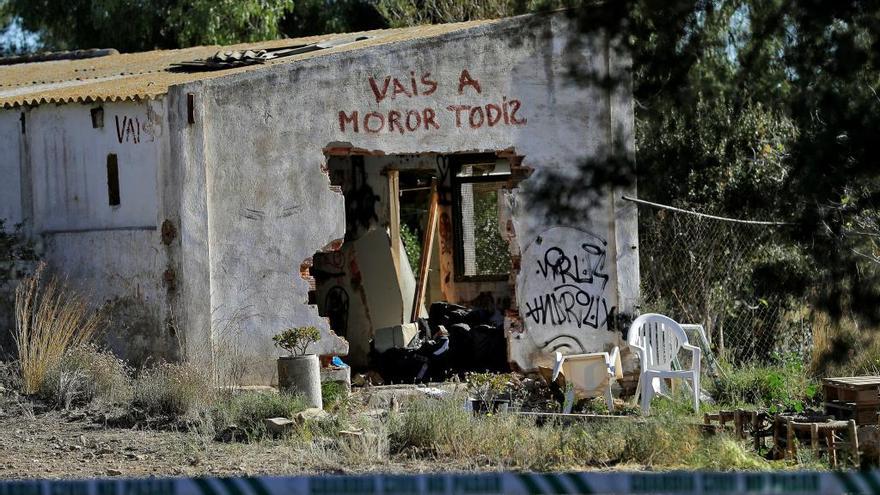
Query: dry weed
x,y
88,374
50,318
172,389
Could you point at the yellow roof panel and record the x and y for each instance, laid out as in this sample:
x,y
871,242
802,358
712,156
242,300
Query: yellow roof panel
x,y
146,75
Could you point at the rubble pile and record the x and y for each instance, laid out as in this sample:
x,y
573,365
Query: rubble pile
x,y
452,341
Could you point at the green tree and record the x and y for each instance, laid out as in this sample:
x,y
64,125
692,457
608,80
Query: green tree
x,y
759,109
137,25
314,17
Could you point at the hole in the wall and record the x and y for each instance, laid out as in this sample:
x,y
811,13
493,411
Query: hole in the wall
x,y
395,207
113,179
21,120
97,117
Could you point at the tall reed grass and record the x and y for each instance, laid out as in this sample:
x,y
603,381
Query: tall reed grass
x,y
50,318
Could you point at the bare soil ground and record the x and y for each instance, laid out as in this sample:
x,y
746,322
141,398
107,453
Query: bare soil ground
x,y
52,445
79,444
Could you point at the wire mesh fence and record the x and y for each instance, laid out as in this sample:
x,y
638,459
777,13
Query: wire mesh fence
x,y
697,269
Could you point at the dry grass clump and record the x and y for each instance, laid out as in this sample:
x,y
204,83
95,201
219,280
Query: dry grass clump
x,y
172,389
50,318
86,374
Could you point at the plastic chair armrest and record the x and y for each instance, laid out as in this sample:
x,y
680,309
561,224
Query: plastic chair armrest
x,y
642,355
696,352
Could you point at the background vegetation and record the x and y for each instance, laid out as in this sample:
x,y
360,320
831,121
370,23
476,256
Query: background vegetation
x,y
746,108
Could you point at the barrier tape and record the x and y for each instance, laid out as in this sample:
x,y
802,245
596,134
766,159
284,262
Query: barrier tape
x,y
677,482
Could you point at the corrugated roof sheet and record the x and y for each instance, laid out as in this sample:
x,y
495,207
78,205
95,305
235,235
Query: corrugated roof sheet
x,y
146,75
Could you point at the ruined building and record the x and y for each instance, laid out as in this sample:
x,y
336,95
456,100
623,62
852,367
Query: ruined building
x,y
215,196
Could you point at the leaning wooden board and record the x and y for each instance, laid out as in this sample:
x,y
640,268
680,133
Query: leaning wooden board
x,y
853,397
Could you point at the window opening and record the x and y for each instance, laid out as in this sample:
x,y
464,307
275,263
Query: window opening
x,y
97,117
481,253
113,179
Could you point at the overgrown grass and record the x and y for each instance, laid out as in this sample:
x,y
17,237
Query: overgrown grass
x,y
50,318
247,410
431,428
785,384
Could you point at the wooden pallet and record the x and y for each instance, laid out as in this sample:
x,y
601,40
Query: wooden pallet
x,y
831,437
863,414
853,397
859,389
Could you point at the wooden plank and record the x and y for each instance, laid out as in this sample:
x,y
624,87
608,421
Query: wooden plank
x,y
394,217
853,381
425,260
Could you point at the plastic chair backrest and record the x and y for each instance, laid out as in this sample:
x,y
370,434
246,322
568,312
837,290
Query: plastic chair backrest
x,y
660,336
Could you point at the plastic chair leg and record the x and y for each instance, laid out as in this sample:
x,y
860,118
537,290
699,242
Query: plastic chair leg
x,y
647,394
609,399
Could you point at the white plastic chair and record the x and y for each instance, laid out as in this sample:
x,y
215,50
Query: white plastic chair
x,y
588,375
657,340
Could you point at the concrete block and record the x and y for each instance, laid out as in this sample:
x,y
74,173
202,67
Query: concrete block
x,y
397,336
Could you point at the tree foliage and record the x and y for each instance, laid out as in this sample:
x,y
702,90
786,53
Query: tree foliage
x,y
758,109
147,24
130,25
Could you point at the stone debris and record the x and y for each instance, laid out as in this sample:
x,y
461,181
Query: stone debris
x,y
278,426
310,414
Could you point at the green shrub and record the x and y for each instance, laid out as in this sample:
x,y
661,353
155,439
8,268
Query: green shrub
x,y
785,384
85,374
337,398
247,410
297,340
173,389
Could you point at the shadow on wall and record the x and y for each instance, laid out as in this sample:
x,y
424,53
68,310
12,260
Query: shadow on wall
x,y
139,335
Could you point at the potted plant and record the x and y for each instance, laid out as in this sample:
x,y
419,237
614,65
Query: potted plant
x,y
485,389
299,372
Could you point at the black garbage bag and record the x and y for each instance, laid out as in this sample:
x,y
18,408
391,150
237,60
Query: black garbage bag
x,y
446,314
489,348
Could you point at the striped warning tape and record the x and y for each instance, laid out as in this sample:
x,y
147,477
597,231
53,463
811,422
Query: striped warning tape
x,y
678,482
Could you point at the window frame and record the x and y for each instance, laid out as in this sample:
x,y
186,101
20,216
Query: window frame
x,y
456,162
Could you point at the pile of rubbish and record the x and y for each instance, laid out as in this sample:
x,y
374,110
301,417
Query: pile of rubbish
x,y
452,341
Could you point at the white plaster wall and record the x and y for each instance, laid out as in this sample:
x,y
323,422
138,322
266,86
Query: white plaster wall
x,y
68,159
10,168
270,206
115,254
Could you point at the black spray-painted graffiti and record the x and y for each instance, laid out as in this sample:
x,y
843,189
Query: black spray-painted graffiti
x,y
575,287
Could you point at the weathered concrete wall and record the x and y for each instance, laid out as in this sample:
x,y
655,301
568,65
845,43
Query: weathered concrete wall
x,y
114,253
10,168
260,139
